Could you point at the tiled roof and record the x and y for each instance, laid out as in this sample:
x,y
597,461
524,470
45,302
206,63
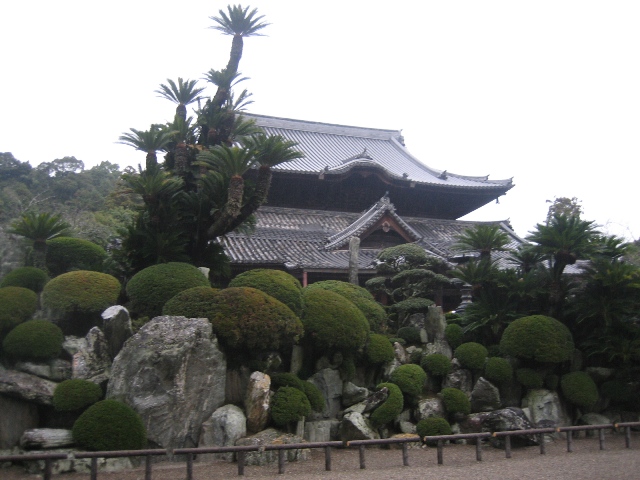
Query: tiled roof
x,y
336,149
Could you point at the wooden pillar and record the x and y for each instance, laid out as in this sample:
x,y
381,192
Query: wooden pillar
x,y
354,250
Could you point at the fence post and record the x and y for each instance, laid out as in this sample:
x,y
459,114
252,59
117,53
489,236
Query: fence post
x,y
478,450
543,448
327,458
627,437
47,469
507,446
569,441
189,466
362,463
94,468
241,463
147,467
281,461
601,438
405,454
440,451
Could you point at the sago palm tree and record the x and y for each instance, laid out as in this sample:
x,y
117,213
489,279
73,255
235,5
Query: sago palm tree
x,y
40,227
483,239
183,93
149,141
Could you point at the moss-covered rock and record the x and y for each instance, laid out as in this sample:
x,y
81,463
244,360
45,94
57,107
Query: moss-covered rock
x,y
432,426
498,370
333,322
410,334
410,378
379,349
391,408
471,355
289,405
34,340
191,303
17,304
66,253
436,364
26,277
109,425
579,388
529,378
454,335
278,284
75,394
149,289
540,338
455,401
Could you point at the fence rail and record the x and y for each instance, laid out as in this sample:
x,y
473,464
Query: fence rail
x,y
241,451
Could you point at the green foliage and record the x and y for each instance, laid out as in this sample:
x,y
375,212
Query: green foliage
x,y
75,394
399,340
436,364
66,253
379,349
410,378
579,388
289,405
538,338
81,292
410,306
34,340
278,284
498,370
314,395
333,322
432,426
471,355
552,381
401,257
347,368
618,390
529,378
454,335
190,303
483,239
17,304
286,379
391,408
410,334
26,277
109,425
150,288
455,401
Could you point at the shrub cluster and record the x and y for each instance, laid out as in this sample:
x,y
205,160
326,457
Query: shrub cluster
x,y
109,425
26,277
278,284
313,393
436,364
455,401
454,334
471,355
410,306
17,304
34,340
66,253
391,408
579,388
191,303
410,378
618,390
410,334
75,394
82,291
529,378
431,426
289,405
498,370
539,338
150,288
379,349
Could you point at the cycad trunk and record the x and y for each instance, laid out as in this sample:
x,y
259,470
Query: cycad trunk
x,y
181,111
181,158
262,185
234,200
236,53
152,160
39,255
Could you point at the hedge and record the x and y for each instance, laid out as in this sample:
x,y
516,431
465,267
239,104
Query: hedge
x,y
410,378
540,338
379,349
17,304
579,388
75,394
278,284
34,340
436,364
454,334
432,426
66,253
471,355
81,291
529,378
455,401
410,334
391,408
26,277
191,303
498,370
289,405
109,425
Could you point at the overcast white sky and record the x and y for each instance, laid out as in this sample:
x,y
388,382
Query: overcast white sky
x,y
547,92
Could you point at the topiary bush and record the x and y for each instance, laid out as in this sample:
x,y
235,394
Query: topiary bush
x,y
455,401
191,303
454,334
34,340
333,322
498,370
410,378
432,426
17,304
314,395
410,334
289,405
408,307
278,284
286,379
149,289
579,388
109,425
26,277
66,253
360,297
391,408
75,394
379,349
539,338
471,355
529,378
436,364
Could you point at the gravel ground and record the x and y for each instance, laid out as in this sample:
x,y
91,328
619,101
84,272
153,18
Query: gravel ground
x,y
586,462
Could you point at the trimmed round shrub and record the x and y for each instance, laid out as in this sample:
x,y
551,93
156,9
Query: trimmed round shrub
x,y
471,355
26,277
494,350
436,364
314,395
618,390
379,349
286,379
391,408
454,334
17,304
75,394
34,340
399,340
109,425
289,405
278,284
552,381
410,378
432,426
190,303
347,369
81,292
579,388
410,306
333,322
529,378
149,289
539,338
410,334
498,370
66,253
455,401
360,297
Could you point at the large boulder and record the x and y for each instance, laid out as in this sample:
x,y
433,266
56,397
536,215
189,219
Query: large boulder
x,y
330,384
272,436
485,396
46,438
356,427
429,407
352,394
55,369
17,416
545,405
116,325
459,378
92,362
257,401
226,425
321,430
26,387
173,374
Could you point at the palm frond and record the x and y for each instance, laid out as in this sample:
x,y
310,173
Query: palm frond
x,y
239,21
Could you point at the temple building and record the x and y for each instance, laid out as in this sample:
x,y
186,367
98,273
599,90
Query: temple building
x,y
360,182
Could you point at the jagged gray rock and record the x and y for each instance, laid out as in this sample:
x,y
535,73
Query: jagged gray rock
x,y
429,407
321,430
226,425
352,394
116,325
459,378
92,362
26,387
55,370
485,396
46,438
173,374
354,426
272,436
257,401
330,384
546,405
